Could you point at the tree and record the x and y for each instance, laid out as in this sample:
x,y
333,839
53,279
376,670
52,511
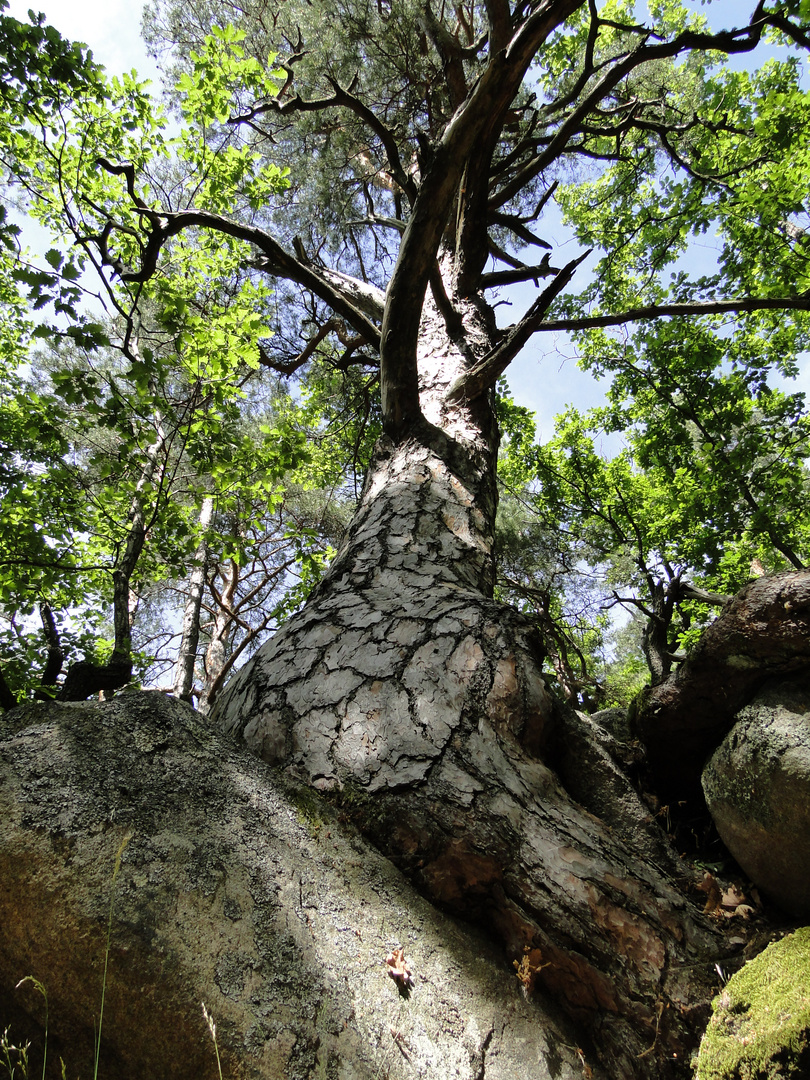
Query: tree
x,y
420,144
114,434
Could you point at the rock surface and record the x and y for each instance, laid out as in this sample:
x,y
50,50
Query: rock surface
x,y
757,787
237,890
760,1026
762,633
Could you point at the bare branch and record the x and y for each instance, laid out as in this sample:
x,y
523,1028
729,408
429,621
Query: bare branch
x,y
500,23
520,273
341,98
726,41
517,226
274,259
692,592
702,307
493,365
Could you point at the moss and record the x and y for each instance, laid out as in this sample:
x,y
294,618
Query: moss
x,y
308,808
760,1025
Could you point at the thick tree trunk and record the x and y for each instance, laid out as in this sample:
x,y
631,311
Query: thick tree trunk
x,y
405,689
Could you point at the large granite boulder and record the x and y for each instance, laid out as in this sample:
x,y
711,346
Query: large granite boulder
x,y
761,634
223,883
757,787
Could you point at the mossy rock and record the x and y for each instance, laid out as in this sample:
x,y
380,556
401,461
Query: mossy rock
x,y
760,1025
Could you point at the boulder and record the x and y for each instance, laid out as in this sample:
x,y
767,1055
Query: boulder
x,y
760,1024
615,720
134,835
761,634
757,787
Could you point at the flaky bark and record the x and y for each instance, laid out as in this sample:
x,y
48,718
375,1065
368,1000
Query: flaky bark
x,y
407,691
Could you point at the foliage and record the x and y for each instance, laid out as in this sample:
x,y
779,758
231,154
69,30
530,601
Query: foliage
x,y
125,427
710,482
265,233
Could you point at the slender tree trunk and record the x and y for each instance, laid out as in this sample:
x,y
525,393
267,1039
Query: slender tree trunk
x,y
187,655
216,655
405,689
86,677
53,665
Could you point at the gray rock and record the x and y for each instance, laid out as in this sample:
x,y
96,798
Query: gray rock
x,y
236,888
616,721
757,786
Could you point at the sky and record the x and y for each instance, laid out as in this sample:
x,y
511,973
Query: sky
x,y
544,377
111,28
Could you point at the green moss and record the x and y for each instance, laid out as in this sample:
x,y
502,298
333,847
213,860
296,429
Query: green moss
x,y
308,807
760,1025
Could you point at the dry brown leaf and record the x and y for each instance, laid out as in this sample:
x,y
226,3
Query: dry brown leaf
x,y
399,970
713,894
733,896
743,911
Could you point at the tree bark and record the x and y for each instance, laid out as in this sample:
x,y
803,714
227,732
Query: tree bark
x,y
187,654
405,690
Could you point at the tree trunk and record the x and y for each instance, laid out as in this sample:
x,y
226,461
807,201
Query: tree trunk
x,y
86,677
407,691
216,655
187,653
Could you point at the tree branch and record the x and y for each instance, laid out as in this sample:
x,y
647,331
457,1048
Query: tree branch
x,y
473,125
692,592
53,665
726,41
492,366
520,273
703,307
275,260
341,98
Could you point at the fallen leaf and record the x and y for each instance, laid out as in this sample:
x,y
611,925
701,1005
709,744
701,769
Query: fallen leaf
x,y
733,897
399,970
713,894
